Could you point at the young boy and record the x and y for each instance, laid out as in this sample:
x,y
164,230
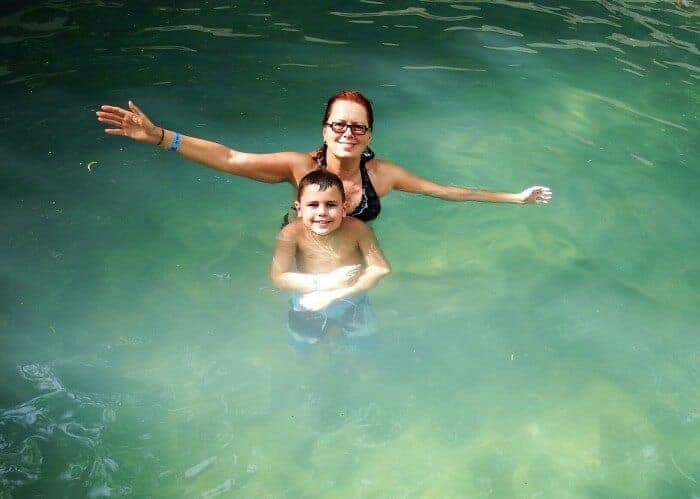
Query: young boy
x,y
329,261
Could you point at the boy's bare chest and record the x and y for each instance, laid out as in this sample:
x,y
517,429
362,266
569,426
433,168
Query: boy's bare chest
x,y
325,254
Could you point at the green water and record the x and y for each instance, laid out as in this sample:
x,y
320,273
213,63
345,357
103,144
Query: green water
x,y
538,351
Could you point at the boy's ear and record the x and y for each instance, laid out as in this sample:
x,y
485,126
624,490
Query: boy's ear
x,y
297,206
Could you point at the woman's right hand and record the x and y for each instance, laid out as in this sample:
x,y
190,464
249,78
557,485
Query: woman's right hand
x,y
132,123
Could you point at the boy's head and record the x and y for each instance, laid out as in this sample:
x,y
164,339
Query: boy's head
x,y
321,201
323,179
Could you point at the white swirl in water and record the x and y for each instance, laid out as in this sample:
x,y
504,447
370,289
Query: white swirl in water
x,y
41,375
59,419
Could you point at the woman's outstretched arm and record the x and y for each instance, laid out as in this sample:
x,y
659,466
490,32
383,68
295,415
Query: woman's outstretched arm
x,y
403,180
272,168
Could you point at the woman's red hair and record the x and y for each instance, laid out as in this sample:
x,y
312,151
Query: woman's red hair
x,y
352,96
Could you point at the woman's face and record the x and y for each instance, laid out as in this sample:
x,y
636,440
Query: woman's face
x,y
346,144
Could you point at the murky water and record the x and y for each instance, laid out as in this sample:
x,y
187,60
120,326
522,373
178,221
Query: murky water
x,y
525,351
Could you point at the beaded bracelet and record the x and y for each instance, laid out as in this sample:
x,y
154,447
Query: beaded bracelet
x,y
176,141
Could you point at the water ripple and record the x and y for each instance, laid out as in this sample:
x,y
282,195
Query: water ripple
x,y
445,68
486,28
576,19
298,65
409,11
633,71
684,65
222,32
199,467
632,42
672,40
513,49
517,5
630,64
323,40
576,44
140,48
625,107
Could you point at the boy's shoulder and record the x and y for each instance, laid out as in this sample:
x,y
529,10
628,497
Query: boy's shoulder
x,y
352,224
292,229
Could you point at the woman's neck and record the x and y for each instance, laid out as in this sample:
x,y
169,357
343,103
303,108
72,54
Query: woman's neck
x,y
343,167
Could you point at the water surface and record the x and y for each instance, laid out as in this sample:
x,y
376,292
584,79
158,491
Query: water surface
x,y
525,351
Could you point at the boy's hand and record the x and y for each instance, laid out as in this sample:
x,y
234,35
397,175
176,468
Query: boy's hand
x,y
341,277
317,300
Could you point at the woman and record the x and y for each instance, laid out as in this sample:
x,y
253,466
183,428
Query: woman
x,y
347,132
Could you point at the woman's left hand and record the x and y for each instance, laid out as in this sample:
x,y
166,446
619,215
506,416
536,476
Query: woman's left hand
x,y
535,194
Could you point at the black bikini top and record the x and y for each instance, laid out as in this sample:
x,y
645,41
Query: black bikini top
x,y
369,207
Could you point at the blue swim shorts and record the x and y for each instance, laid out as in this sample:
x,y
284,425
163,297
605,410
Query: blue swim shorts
x,y
353,315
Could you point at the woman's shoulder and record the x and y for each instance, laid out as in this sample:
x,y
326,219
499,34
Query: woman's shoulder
x,y
381,166
383,174
303,163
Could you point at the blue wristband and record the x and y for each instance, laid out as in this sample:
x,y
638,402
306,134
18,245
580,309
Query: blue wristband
x,y
176,141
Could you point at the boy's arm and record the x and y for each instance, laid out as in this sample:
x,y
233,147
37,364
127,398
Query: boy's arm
x,y
376,267
283,264
283,275
376,264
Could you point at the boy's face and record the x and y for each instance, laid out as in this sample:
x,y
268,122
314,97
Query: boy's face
x,y
321,212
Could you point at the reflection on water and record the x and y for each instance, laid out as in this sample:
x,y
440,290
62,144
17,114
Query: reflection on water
x,y
524,352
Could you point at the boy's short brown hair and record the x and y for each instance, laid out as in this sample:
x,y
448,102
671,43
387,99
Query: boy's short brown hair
x,y
323,179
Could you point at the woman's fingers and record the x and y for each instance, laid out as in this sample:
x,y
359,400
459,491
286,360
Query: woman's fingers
x,y
543,195
109,120
536,194
134,108
114,131
114,110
